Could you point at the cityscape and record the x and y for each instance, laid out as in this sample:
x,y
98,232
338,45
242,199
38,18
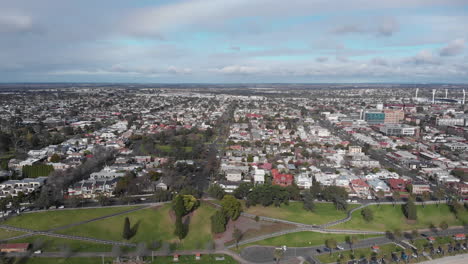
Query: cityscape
x,y
202,143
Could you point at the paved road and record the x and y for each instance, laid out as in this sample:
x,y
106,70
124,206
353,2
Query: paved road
x,y
458,259
313,228
80,238
134,254
264,254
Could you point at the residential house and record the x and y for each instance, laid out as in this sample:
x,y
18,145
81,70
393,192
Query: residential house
x,y
259,176
397,185
303,180
360,187
420,187
233,175
281,179
377,185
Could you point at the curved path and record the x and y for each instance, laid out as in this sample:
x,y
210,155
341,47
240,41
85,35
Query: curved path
x,y
51,232
301,227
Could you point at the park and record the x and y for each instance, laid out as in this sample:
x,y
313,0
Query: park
x,y
153,227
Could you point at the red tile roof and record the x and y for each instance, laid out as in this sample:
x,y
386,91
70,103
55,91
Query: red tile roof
x,y
359,183
15,246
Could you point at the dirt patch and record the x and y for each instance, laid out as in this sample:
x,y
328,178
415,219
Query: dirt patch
x,y
249,228
156,207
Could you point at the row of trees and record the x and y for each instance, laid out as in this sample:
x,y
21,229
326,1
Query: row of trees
x,y
337,195
267,194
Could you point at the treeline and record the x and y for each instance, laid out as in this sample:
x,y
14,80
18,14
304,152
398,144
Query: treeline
x,y
58,181
335,194
176,143
22,138
38,170
267,194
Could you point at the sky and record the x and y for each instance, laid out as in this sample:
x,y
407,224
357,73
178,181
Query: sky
x,y
234,41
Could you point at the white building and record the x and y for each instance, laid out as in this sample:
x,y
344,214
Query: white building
x,y
234,175
259,176
303,180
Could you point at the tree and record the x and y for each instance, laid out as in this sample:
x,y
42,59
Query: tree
x,y
309,204
178,206
367,214
103,200
3,205
380,194
216,191
409,188
410,210
439,195
278,254
232,207
331,244
243,190
443,225
127,231
218,222
396,196
237,235
180,229
55,158
337,195
425,197
15,203
190,203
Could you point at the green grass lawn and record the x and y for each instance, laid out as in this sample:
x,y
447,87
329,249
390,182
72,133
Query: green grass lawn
x,y
7,233
304,239
205,259
55,244
324,212
155,224
164,148
51,219
387,217
385,250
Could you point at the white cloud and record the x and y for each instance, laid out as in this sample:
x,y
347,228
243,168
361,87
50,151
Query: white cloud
x,y
239,69
15,23
423,57
211,14
176,70
388,26
454,48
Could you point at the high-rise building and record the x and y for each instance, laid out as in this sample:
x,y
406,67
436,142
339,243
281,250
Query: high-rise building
x,y
393,116
374,118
